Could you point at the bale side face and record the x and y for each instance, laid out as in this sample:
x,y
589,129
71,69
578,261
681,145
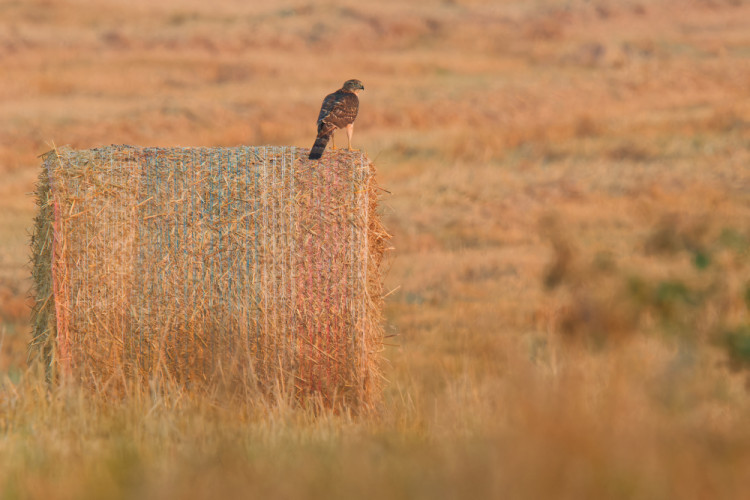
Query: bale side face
x,y
253,265
43,313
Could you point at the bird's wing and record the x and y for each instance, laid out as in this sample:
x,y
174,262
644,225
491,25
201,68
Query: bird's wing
x,y
330,102
339,109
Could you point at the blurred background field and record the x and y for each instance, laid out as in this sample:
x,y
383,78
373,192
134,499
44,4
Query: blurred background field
x,y
570,207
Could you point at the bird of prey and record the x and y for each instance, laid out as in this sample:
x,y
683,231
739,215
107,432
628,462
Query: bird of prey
x,y
339,110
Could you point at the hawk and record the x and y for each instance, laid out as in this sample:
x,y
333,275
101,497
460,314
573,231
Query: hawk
x,y
339,110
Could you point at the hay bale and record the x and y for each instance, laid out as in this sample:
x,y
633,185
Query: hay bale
x,y
248,264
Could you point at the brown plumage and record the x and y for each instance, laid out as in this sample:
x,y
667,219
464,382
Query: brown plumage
x,y
339,110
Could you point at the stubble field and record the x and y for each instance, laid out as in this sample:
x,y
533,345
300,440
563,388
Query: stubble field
x,y
569,182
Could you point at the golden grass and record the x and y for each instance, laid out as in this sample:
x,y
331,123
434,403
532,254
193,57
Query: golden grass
x,y
569,212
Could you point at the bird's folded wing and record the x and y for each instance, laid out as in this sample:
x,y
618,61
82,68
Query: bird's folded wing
x,y
339,108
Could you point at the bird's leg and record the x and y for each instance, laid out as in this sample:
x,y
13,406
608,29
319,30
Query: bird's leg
x,y
333,141
349,132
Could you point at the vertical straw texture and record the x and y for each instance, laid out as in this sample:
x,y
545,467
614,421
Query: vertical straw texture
x,y
250,265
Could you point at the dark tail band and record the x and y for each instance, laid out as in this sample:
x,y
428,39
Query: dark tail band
x,y
320,145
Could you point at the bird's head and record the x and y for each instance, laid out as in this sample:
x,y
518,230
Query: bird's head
x,y
353,86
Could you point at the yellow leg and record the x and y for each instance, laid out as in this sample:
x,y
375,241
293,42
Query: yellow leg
x,y
333,141
349,132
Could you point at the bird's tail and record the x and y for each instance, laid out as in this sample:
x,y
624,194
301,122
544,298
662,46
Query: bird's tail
x,y
320,145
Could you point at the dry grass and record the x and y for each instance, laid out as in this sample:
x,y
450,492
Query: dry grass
x,y
569,211
253,266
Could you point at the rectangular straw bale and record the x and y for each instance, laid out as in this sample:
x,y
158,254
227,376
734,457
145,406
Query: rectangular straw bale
x,y
252,264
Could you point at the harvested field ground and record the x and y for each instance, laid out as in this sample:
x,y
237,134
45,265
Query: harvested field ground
x,y
570,207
